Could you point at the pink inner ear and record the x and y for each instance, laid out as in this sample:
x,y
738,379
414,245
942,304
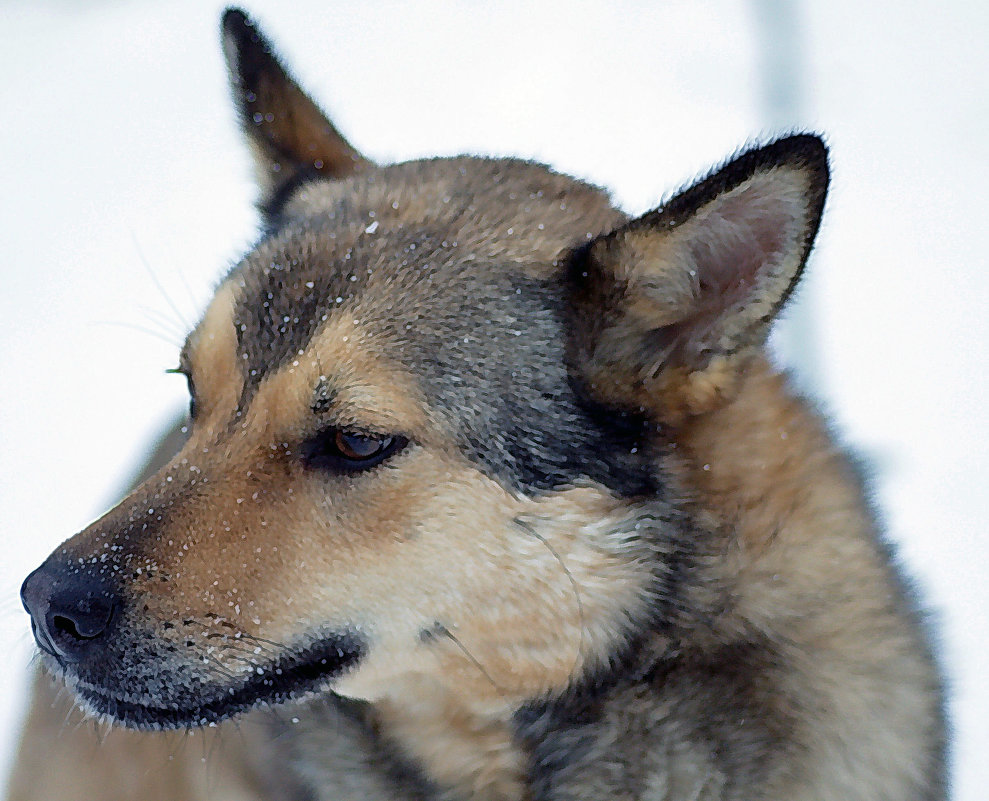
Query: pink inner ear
x,y
737,248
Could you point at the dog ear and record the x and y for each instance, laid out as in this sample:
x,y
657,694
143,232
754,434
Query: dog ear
x,y
666,308
290,138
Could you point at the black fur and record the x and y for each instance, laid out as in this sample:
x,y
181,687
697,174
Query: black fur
x,y
724,699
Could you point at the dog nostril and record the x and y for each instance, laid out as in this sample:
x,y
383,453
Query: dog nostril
x,y
80,630
74,621
64,624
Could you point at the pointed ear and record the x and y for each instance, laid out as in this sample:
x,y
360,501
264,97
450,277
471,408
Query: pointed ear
x,y
666,309
290,138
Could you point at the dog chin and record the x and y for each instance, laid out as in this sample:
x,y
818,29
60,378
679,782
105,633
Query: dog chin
x,y
296,676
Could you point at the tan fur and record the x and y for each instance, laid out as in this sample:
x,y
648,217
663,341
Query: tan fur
x,y
794,508
210,356
471,752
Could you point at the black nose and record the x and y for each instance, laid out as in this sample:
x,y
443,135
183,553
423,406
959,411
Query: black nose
x,y
70,611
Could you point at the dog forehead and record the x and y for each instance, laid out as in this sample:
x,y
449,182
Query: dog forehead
x,y
494,208
445,270
415,251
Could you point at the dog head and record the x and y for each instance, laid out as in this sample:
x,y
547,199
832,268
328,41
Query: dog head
x,y
428,410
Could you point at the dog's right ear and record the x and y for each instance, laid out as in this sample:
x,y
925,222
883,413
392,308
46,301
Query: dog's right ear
x,y
668,308
290,138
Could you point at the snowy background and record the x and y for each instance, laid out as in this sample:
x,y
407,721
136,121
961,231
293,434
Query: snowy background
x,y
125,194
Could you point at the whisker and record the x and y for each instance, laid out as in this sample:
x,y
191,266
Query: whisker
x,y
134,327
163,321
102,725
447,633
276,645
529,529
147,266
188,288
278,723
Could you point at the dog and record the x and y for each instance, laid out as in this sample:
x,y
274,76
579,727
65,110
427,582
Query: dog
x,y
490,492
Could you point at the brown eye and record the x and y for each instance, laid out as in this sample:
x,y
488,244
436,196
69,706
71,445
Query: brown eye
x,y
339,450
358,446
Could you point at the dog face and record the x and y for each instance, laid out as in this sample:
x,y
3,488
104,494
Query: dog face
x,y
428,413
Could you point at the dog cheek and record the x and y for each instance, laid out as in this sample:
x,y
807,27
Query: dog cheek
x,y
504,594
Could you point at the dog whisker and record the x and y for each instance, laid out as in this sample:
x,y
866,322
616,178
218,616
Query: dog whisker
x,y
579,650
184,324
441,629
143,329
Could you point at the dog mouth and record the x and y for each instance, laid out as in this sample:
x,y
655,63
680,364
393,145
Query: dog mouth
x,y
299,674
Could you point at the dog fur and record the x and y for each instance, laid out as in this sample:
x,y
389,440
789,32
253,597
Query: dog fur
x,y
489,492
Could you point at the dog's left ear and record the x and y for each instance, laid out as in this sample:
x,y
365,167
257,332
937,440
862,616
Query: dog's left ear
x,y
289,136
666,308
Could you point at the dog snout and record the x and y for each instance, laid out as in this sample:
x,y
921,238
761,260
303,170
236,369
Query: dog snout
x,y
71,612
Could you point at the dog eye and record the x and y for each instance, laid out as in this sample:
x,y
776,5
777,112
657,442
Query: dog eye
x,y
342,450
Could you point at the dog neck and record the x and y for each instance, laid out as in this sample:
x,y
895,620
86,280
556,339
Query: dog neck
x,y
465,745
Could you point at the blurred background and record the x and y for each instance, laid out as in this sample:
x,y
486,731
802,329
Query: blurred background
x,y
125,194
